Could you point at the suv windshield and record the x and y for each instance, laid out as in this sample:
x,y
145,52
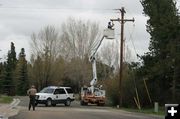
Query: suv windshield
x,y
47,90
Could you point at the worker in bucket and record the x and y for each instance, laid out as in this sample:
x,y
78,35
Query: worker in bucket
x,y
110,25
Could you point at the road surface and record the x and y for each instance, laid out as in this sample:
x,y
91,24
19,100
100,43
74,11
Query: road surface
x,y
76,112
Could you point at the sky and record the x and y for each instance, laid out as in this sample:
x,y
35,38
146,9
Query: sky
x,y
20,18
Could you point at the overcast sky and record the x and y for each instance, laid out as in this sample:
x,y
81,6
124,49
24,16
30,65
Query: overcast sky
x,y
20,18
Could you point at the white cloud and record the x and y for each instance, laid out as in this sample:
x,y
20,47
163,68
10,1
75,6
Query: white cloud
x,y
19,18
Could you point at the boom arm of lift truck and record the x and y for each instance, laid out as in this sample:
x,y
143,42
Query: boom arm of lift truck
x,y
108,34
93,61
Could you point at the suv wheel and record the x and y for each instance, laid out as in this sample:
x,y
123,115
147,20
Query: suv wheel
x,y
36,103
48,102
54,104
68,102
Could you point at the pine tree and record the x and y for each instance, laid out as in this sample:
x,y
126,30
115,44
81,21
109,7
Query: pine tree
x,y
1,76
160,65
10,65
21,74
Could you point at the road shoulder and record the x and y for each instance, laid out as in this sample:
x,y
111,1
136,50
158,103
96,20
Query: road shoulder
x,y
8,110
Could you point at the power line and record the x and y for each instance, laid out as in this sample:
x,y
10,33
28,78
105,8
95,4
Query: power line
x,y
58,8
131,39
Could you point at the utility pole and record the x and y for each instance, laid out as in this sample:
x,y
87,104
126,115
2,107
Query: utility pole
x,y
122,22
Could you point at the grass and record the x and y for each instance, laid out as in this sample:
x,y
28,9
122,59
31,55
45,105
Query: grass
x,y
147,111
5,99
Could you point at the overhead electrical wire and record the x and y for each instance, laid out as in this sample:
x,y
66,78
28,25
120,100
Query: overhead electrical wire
x,y
131,34
131,38
132,42
54,8
58,8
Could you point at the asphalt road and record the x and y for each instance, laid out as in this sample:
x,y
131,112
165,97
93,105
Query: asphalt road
x,y
75,111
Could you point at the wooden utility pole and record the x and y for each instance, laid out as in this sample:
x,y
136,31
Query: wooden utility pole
x,y
122,21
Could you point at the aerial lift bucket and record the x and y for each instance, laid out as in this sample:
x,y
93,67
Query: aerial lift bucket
x,y
109,33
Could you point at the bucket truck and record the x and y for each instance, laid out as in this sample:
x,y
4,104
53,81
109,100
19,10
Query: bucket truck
x,y
92,94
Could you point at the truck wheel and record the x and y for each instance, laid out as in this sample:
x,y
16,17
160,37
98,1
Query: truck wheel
x,y
83,103
100,104
68,102
48,102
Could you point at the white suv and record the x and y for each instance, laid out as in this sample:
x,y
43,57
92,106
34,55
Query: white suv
x,y
53,95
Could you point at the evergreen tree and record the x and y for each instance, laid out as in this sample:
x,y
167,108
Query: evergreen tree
x,y
1,76
10,65
161,64
21,74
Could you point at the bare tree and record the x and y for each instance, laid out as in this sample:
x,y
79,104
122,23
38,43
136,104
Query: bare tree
x,y
110,53
78,37
45,46
46,41
128,55
64,55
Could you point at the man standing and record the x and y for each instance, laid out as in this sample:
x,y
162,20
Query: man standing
x,y
32,93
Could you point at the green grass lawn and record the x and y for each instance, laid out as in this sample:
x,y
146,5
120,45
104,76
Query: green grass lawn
x,y
147,111
5,99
